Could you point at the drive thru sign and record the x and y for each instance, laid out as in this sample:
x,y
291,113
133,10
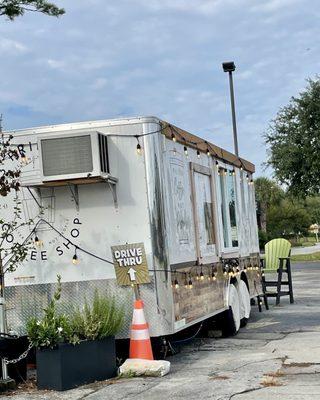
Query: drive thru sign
x,y
130,264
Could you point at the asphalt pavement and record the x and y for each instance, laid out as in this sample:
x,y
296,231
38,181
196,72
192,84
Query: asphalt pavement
x,y
276,356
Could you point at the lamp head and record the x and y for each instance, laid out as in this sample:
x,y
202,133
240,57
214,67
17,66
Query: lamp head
x,y
228,66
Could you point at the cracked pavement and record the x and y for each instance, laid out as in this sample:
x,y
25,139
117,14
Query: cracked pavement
x,y
276,356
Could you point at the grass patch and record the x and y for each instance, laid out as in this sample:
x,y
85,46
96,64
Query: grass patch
x,y
306,257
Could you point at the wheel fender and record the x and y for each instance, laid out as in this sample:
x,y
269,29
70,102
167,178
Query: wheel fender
x,y
234,303
244,297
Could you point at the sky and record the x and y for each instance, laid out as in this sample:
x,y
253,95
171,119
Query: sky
x,y
108,59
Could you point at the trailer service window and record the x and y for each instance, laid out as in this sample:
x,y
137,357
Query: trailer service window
x,y
228,209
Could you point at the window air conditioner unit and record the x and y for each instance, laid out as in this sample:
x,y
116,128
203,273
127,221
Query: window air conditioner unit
x,y
74,157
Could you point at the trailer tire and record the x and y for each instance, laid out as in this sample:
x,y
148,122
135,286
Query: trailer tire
x,y
231,317
245,306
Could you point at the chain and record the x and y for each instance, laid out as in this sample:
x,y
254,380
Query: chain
x,y
21,357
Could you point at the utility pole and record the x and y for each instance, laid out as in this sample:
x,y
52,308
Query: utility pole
x,y
230,67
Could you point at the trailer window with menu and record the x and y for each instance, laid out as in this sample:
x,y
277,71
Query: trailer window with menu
x,y
228,208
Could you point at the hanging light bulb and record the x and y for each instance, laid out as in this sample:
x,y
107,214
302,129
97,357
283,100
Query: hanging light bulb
x,y
241,168
245,268
217,164
247,177
23,157
176,283
139,149
75,259
185,150
37,241
225,172
201,275
213,277
186,282
230,272
198,153
233,172
237,270
174,151
208,152
173,137
225,271
197,277
190,283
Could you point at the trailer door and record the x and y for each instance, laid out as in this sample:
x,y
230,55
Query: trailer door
x,y
203,212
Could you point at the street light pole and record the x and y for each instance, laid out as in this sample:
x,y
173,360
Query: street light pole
x,y
230,67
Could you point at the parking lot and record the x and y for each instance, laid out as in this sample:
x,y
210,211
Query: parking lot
x,y
276,356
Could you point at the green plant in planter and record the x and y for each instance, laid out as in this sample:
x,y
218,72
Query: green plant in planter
x,y
97,321
53,328
103,318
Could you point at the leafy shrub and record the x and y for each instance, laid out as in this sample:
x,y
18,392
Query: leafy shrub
x,y
98,321
104,318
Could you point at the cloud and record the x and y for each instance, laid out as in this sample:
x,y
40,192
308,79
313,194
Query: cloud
x,y
12,47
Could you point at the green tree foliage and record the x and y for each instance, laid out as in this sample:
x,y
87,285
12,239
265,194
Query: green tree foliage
x,y
289,218
293,139
15,8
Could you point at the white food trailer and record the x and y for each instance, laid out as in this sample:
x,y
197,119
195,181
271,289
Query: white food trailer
x,y
137,180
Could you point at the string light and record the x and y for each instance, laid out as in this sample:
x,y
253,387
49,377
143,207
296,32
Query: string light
x,y
139,149
190,282
23,157
185,150
208,152
75,259
225,172
173,137
186,281
247,177
233,172
201,275
198,153
37,241
176,283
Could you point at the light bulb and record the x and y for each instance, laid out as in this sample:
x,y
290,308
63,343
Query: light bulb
x,y
213,277
185,150
75,259
201,276
173,137
190,284
208,153
37,241
139,149
176,284
198,153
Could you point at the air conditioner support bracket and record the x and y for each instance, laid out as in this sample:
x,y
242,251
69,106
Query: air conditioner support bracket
x,y
113,188
75,194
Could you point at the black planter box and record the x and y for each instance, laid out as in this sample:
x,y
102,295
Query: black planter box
x,y
68,366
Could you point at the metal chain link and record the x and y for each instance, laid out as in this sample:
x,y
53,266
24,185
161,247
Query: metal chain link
x,y
21,357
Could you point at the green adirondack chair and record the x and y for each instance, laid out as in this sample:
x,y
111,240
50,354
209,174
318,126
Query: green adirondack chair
x,y
277,261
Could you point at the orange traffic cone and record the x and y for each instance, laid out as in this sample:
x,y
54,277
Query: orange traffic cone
x,y
140,344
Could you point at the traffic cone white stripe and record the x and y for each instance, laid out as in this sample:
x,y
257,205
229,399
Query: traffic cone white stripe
x,y
138,317
141,334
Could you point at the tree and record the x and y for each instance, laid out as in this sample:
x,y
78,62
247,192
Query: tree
x,y
16,8
12,252
293,139
289,218
267,193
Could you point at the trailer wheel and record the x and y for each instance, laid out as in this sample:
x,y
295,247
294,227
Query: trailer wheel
x,y
245,306
231,317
